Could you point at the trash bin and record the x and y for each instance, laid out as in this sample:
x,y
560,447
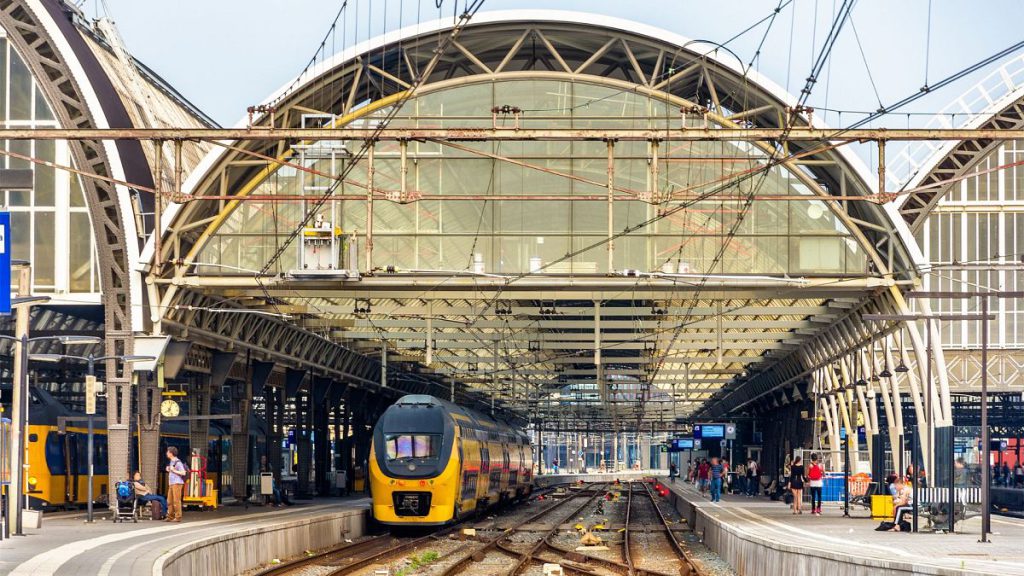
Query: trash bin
x,y
881,507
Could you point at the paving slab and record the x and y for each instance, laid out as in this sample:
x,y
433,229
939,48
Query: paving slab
x,y
833,535
67,546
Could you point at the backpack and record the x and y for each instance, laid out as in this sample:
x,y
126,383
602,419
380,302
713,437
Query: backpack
x,y
815,473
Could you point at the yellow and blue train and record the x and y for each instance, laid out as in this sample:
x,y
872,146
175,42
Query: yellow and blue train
x,y
433,462
57,474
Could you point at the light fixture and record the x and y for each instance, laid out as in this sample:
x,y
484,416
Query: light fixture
x,y
885,373
78,340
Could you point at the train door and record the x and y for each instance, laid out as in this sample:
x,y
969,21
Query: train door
x,y
505,468
485,471
71,464
513,471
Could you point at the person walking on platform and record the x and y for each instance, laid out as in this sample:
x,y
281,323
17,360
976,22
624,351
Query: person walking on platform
x,y
703,477
796,483
717,473
175,485
816,479
753,478
672,473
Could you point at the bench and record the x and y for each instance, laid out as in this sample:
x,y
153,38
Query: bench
x,y
865,498
934,505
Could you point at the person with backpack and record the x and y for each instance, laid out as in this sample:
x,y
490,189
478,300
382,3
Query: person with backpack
x,y
176,473
816,480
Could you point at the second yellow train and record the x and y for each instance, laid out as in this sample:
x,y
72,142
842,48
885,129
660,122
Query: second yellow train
x,y
433,462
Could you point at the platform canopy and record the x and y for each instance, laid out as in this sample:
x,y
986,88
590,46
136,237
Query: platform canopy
x,y
521,221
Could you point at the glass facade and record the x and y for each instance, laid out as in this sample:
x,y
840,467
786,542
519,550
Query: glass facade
x,y
975,240
50,226
514,207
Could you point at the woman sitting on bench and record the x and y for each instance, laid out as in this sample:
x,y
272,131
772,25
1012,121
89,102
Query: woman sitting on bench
x,y
902,502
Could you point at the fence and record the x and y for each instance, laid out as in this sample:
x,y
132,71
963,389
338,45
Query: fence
x,y
835,482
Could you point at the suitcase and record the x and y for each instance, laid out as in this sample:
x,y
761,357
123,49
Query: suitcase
x,y
156,511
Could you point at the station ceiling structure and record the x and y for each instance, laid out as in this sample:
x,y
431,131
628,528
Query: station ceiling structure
x,y
516,219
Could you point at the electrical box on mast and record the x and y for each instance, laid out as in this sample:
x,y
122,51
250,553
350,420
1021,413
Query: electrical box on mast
x,y
92,389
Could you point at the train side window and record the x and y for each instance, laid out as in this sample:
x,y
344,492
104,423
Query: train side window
x,y
54,451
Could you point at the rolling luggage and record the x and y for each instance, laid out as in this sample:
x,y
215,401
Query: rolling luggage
x,y
156,511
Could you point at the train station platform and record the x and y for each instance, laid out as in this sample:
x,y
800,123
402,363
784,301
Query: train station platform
x,y
761,536
229,540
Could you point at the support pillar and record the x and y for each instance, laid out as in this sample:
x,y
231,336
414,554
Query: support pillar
x,y
301,425
149,456
198,405
241,403
320,393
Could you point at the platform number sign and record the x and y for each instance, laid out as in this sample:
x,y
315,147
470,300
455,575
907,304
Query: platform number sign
x,y
5,262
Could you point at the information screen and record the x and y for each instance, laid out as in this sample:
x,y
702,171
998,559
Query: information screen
x,y
712,431
682,443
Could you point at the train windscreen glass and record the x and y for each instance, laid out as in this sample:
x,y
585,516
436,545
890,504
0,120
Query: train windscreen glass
x,y
405,446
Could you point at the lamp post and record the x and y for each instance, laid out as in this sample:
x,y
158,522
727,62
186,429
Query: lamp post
x,y
90,410
985,317
19,405
986,472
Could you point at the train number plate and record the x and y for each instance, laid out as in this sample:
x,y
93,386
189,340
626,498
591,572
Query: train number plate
x,y
412,503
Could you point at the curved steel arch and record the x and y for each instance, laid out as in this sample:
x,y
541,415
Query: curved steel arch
x,y
955,159
34,28
552,45
378,70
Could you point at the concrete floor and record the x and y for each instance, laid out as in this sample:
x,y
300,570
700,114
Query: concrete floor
x,y
833,534
66,545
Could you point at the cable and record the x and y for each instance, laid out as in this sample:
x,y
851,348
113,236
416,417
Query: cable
x,y
864,58
312,60
940,84
928,44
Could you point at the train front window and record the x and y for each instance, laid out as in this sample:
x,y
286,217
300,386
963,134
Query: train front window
x,y
412,446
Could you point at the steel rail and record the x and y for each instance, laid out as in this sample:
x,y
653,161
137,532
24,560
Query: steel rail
x,y
688,566
469,134
494,542
525,557
626,554
294,565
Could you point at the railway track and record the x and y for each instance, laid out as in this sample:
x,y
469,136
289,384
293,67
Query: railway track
x,y
518,547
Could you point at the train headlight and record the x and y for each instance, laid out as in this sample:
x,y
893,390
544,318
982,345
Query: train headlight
x,y
32,481
412,466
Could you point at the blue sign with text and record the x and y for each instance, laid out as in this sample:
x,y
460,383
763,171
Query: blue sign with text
x,y
5,262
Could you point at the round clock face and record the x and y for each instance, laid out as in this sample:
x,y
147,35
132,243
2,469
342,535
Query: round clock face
x,y
169,408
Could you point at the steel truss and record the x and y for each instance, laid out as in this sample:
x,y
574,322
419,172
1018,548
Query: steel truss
x,y
518,342
51,64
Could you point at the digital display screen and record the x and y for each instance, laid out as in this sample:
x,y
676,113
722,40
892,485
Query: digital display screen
x,y
682,443
712,431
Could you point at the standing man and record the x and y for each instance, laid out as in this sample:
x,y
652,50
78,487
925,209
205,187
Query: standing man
x,y
753,478
717,473
175,485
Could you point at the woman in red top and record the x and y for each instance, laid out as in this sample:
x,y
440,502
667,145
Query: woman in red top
x,y
816,479
703,476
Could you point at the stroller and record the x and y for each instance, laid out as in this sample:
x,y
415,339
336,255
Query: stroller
x,y
124,509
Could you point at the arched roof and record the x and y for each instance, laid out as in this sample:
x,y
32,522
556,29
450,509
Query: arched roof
x,y
496,29
619,55
995,102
